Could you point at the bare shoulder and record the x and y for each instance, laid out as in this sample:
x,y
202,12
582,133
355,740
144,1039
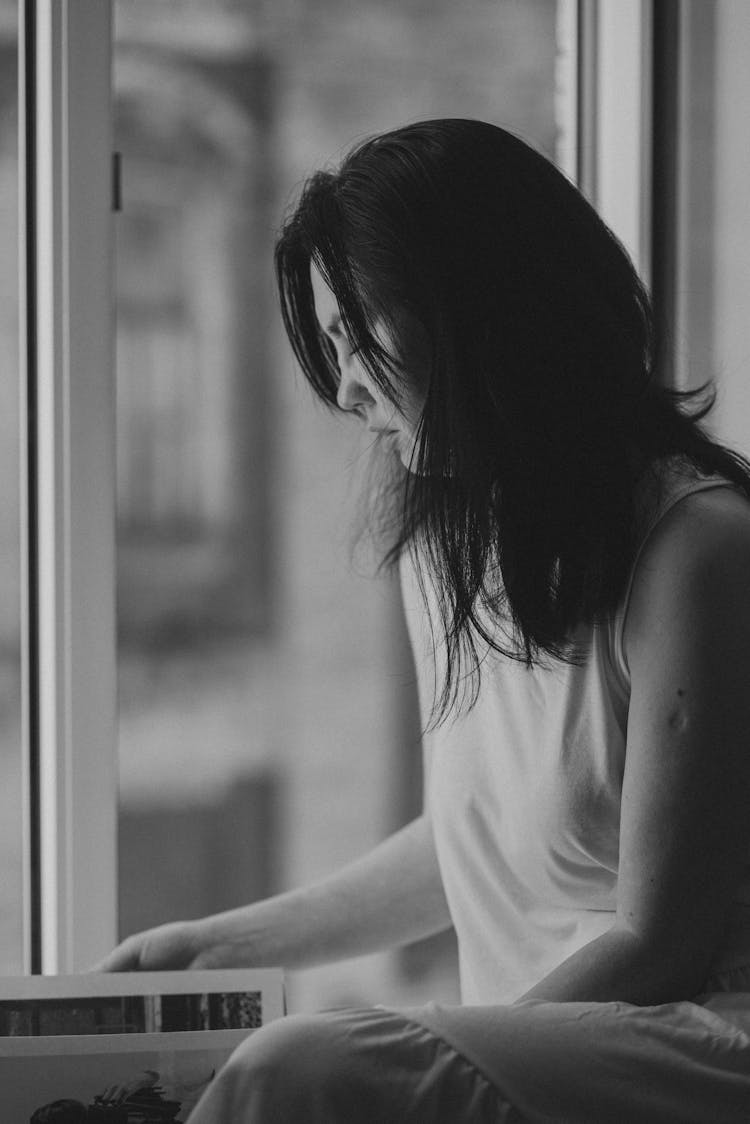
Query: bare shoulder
x,y
710,518
684,829
695,567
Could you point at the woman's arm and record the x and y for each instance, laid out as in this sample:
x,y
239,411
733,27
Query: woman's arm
x,y
390,896
685,822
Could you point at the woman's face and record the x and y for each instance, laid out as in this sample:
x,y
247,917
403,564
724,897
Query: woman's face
x,y
357,393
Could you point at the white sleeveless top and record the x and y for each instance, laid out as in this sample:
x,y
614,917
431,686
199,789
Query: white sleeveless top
x,y
524,793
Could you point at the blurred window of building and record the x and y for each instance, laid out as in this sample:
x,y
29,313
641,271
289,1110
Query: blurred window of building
x,y
268,729
11,867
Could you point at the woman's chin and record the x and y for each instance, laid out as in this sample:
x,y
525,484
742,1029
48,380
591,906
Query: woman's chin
x,y
409,461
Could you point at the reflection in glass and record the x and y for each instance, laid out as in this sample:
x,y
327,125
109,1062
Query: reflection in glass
x,y
268,727
10,689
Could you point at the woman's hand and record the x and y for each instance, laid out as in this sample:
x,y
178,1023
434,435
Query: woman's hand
x,y
168,947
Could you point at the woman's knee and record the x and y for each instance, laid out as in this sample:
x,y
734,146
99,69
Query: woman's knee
x,y
369,1065
282,1043
285,1072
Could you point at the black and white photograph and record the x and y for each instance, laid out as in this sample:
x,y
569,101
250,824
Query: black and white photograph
x,y
130,1048
375,561
131,1014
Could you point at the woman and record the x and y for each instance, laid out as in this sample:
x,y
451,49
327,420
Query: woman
x,y
575,552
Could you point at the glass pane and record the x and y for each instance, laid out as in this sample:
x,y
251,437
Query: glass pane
x,y
714,290
11,949
268,728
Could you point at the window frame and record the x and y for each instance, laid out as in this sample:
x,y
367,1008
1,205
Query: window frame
x,y
68,484
69,648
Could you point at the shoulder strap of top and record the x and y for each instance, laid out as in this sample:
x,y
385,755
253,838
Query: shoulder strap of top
x,y
675,486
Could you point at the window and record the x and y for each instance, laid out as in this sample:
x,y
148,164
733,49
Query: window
x,y
258,671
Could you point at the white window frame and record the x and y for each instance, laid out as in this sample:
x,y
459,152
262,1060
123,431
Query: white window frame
x,y
623,124
608,134
68,485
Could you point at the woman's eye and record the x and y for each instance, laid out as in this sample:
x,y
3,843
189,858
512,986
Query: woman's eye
x,y
338,337
330,349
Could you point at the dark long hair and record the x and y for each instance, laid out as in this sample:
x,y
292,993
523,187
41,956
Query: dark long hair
x,y
544,402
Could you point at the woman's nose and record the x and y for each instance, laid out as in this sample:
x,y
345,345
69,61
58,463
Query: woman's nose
x,y
352,392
